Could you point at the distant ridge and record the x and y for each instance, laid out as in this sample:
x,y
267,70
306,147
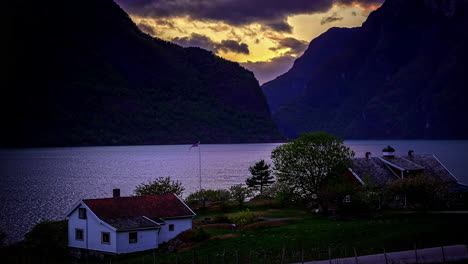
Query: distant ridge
x,y
80,73
402,75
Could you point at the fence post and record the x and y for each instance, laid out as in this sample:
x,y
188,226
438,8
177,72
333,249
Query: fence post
x,y
302,255
355,256
224,256
154,256
250,256
237,257
443,253
385,255
193,256
416,253
329,255
282,255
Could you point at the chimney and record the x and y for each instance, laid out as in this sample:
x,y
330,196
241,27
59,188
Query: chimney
x,y
116,193
410,153
368,155
388,152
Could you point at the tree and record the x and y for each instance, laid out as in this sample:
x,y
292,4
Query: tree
x,y
305,164
420,191
160,185
239,193
261,176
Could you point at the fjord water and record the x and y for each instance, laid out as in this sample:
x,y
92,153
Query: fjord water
x,y
44,183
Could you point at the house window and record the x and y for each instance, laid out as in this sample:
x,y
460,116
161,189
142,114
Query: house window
x,y
105,237
171,227
82,213
79,235
132,237
347,199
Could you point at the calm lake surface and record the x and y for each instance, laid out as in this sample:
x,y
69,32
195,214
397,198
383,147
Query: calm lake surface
x,y
44,183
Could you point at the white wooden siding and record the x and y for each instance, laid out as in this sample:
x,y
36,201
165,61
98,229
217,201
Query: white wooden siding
x,y
180,225
146,239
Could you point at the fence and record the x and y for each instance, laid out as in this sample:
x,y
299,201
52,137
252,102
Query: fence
x,y
344,255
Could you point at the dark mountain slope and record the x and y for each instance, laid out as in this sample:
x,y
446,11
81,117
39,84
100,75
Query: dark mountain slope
x,y
403,74
81,73
292,84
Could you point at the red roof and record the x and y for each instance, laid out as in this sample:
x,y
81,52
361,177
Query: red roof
x,y
152,206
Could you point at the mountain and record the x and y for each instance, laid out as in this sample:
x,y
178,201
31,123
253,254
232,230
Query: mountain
x,y
80,72
403,74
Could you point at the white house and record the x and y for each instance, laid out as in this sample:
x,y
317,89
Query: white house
x,y
127,224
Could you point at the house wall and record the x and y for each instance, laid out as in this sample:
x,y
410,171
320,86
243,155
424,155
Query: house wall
x,y
180,225
92,228
147,239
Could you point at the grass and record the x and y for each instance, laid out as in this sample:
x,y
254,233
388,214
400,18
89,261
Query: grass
x,y
302,230
393,231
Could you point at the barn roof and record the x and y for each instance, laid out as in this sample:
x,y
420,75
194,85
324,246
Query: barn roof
x,y
403,163
433,167
152,206
377,171
374,170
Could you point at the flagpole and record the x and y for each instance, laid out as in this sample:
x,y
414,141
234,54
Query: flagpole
x,y
199,163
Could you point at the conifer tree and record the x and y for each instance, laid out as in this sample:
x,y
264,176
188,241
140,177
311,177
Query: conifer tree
x,y
261,176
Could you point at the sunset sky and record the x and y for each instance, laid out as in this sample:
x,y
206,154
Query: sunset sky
x,y
265,36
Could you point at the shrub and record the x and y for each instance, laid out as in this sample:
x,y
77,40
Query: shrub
x,y
202,197
48,237
242,218
239,193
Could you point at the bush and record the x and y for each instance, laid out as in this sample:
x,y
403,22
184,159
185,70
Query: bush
x,y
239,193
202,197
48,237
242,218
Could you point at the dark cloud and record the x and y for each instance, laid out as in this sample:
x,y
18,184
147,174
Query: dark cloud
x,y
233,46
296,46
329,19
268,70
198,40
280,26
146,28
272,13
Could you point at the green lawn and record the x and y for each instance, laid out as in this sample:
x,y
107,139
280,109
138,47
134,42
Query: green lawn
x,y
314,235
306,234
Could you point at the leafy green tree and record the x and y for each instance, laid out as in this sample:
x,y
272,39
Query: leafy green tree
x,y
421,191
161,185
261,176
305,164
239,193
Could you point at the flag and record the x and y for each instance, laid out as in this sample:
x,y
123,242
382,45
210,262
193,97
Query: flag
x,y
195,145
